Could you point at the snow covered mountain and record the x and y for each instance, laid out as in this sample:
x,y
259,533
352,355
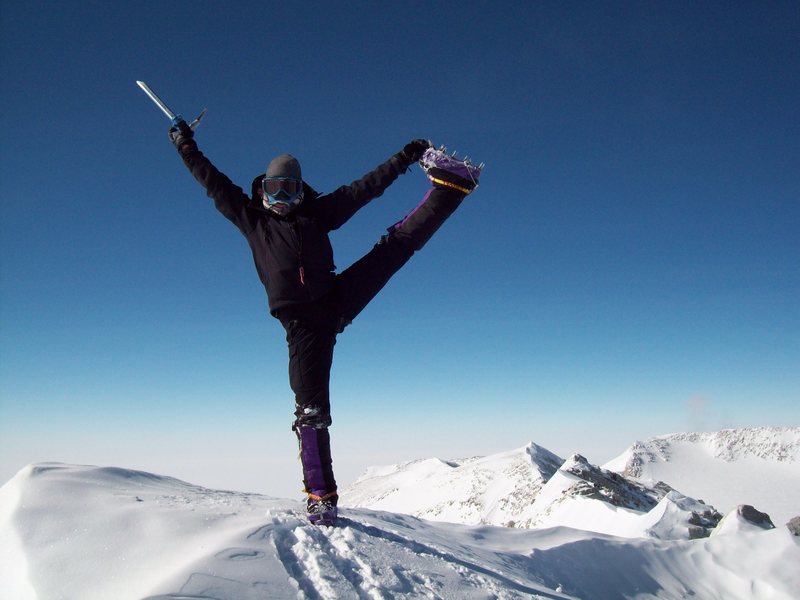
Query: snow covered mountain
x,y
493,490
758,466
532,488
101,533
649,490
587,497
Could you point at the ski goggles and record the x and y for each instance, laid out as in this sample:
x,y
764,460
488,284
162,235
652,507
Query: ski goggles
x,y
282,189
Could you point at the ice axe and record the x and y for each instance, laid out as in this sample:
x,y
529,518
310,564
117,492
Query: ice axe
x,y
165,109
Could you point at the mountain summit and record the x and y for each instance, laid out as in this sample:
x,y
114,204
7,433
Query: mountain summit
x,y
497,489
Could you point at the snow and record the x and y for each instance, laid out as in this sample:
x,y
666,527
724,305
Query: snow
x,y
702,474
82,532
758,466
97,533
528,488
735,522
486,490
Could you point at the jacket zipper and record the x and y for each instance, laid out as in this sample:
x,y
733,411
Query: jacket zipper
x,y
298,235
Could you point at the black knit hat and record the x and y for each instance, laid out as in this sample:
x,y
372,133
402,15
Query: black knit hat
x,y
284,165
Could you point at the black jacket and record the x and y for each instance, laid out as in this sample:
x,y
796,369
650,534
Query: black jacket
x,y
292,254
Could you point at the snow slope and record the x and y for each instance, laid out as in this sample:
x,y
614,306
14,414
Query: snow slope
x,y
758,466
78,532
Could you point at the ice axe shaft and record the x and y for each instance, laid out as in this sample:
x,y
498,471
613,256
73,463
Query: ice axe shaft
x,y
165,109
158,101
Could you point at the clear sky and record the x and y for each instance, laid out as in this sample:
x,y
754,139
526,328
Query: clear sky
x,y
629,266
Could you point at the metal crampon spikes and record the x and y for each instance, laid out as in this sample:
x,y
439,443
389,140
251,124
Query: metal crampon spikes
x,y
466,160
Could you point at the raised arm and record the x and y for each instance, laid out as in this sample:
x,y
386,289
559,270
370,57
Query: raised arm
x,y
228,197
336,208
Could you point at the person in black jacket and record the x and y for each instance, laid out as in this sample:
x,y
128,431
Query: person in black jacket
x,y
286,224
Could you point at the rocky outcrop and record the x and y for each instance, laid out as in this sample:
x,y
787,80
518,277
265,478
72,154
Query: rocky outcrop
x,y
794,526
755,517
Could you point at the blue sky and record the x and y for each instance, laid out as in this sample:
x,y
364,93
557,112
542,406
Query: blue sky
x,y
628,267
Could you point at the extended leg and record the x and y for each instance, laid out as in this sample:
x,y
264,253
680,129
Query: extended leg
x,y
421,223
357,285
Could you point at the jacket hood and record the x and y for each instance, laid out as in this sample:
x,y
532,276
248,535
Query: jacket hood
x,y
309,193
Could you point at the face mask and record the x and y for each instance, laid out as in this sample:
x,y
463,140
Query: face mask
x,y
282,194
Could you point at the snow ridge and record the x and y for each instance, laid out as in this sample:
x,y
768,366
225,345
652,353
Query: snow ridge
x,y
533,488
706,475
493,490
610,487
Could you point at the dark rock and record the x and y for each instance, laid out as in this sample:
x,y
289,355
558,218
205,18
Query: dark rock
x,y
610,487
794,526
758,518
696,533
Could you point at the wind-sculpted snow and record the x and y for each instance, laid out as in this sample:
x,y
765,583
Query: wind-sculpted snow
x,y
107,533
100,533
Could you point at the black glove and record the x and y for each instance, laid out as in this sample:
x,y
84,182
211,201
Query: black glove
x,y
414,150
180,132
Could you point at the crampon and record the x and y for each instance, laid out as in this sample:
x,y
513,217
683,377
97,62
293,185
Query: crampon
x,y
322,510
449,171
